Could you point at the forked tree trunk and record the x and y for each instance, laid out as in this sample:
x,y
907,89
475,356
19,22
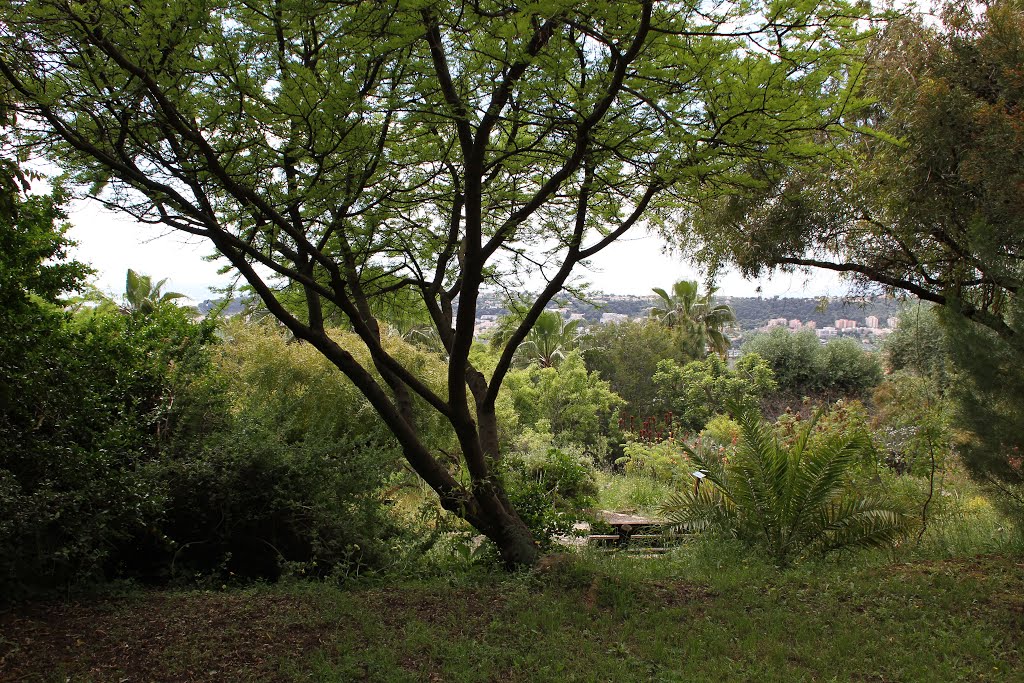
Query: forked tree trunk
x,y
502,525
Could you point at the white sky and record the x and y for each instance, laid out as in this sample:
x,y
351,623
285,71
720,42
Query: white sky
x,y
112,243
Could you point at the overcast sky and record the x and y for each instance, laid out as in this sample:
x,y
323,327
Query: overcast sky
x,y
111,244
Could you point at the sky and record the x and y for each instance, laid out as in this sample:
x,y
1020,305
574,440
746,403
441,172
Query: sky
x,y
112,243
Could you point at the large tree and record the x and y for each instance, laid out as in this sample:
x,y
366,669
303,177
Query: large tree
x,y
929,201
359,148
930,196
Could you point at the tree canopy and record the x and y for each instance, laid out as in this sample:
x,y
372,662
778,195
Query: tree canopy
x,y
357,149
930,198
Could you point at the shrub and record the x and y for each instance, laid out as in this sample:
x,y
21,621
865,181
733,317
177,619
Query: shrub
x,y
576,406
913,422
802,366
276,459
664,461
791,500
75,449
696,391
627,353
550,490
722,430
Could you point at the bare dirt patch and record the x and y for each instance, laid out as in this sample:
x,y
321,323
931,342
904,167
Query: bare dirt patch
x,y
158,637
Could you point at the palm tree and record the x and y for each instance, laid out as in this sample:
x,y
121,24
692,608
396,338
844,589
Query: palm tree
x,y
791,499
549,340
140,294
696,315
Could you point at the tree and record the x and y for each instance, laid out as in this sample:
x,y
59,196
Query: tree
x,y
627,354
929,198
576,405
80,398
929,201
695,392
919,344
802,366
697,316
143,295
357,149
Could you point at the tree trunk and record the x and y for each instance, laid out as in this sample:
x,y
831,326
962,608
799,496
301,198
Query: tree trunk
x,y
515,542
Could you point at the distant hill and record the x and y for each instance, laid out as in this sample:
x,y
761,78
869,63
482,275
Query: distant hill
x,y
751,312
234,307
754,312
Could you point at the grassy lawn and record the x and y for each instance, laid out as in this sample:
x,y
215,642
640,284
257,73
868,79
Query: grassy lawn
x,y
709,612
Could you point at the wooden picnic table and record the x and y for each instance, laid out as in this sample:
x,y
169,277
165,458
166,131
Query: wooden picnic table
x,y
627,527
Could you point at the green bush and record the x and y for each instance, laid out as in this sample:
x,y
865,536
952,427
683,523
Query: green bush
x,y
550,490
791,499
627,353
576,406
664,461
278,461
698,390
802,366
722,430
75,450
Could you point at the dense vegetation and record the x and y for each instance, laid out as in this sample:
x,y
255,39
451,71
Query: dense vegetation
x,y
349,429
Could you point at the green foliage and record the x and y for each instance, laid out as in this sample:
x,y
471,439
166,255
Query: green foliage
x,y
790,499
277,464
75,447
698,390
795,358
802,366
722,430
550,489
919,344
145,296
664,461
547,343
843,419
627,353
928,198
573,404
914,423
989,405
698,318
33,254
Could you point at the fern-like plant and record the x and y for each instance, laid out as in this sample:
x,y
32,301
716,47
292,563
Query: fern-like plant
x,y
791,499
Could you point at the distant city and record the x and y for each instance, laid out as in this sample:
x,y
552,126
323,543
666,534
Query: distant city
x,y
868,319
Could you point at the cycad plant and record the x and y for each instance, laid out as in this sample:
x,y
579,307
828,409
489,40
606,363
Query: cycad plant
x,y
791,499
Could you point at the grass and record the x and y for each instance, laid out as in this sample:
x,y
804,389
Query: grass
x,y
948,608
709,612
